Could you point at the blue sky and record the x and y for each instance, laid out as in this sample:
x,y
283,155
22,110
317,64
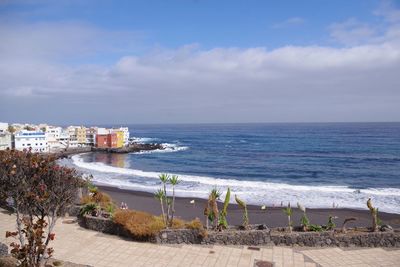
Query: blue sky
x,y
207,61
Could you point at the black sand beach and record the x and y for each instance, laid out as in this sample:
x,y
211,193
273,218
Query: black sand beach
x,y
272,216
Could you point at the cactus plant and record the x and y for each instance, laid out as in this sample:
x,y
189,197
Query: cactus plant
x,y
223,223
243,205
288,211
374,213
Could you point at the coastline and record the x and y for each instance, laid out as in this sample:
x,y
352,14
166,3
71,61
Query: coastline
x,y
272,216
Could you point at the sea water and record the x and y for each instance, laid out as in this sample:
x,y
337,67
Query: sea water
x,y
319,164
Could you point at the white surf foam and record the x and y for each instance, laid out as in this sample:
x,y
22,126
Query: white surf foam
x,y
167,147
143,139
254,192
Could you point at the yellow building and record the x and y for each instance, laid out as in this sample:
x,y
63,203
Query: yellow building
x,y
120,138
81,135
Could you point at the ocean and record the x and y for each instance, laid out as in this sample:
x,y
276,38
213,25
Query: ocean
x,y
320,165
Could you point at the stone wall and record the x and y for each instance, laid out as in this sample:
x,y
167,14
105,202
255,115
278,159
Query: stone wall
x,y
253,237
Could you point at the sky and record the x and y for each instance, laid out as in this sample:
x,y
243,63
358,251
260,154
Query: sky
x,y
122,62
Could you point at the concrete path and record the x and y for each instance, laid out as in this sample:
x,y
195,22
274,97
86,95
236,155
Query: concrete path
x,y
79,245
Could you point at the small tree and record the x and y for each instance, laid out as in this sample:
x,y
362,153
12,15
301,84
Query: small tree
x,y
174,180
164,178
288,211
41,191
159,195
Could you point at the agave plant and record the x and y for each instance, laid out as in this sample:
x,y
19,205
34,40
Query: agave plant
x,y
90,208
159,195
243,205
288,211
304,221
374,214
223,223
331,224
174,180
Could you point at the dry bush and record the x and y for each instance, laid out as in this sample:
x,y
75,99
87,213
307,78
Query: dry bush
x,y
196,225
140,224
86,199
100,198
178,224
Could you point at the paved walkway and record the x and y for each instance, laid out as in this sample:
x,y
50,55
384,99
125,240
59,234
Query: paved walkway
x,y
79,245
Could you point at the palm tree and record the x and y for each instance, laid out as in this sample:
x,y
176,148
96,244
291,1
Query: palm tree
x,y
164,178
174,180
159,195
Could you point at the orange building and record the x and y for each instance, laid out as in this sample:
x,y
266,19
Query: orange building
x,y
106,140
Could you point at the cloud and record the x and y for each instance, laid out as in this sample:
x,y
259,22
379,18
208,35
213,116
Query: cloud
x,y
358,82
290,22
389,11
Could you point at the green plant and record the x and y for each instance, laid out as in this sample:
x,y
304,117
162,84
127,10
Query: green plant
x,y
223,223
89,208
164,178
331,224
374,214
174,180
315,228
159,195
211,210
243,205
288,211
304,221
110,209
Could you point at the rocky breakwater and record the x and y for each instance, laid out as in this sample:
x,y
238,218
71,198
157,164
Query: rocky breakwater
x,y
135,147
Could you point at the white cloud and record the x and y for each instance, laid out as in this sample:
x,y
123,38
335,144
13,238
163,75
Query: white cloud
x,y
191,84
290,22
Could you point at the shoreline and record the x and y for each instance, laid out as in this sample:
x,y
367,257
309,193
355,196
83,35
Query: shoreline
x,y
272,216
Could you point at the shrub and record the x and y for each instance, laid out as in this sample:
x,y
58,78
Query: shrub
x,y
89,208
196,225
140,224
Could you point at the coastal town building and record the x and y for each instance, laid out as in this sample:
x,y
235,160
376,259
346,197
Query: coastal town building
x,y
5,140
90,136
35,140
5,137
55,138
106,140
3,127
125,135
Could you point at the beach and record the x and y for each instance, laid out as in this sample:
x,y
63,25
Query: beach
x,y
272,216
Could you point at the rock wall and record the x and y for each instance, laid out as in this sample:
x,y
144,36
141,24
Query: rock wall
x,y
253,237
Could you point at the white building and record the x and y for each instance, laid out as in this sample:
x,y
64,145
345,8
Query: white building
x,y
35,140
5,140
3,127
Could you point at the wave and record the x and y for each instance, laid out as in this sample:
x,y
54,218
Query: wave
x,y
167,148
143,140
254,192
